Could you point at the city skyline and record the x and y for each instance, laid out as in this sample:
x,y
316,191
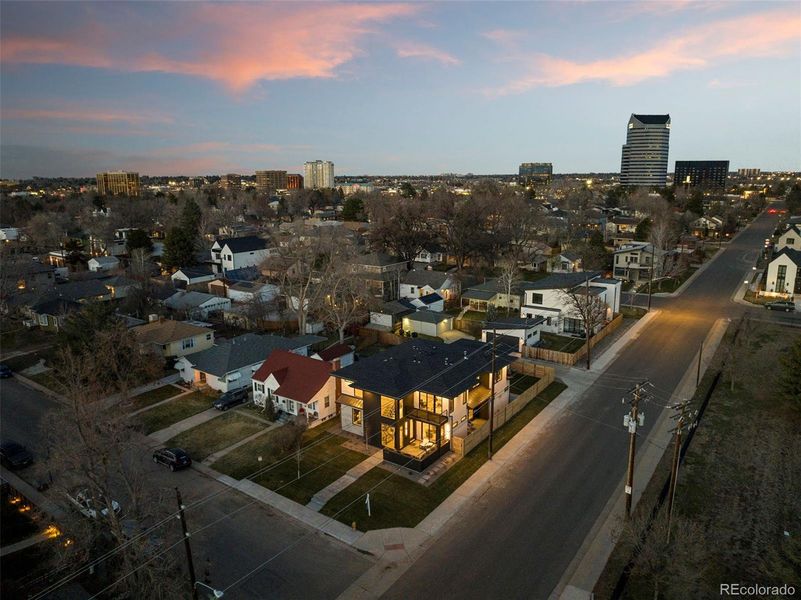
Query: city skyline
x,y
393,89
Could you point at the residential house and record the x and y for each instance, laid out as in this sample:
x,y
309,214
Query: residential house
x,y
633,261
103,263
417,283
546,298
433,253
51,314
235,253
791,238
390,315
411,399
229,364
197,305
428,322
621,225
243,291
296,385
431,301
565,262
382,274
339,355
706,226
120,286
86,290
522,331
784,273
492,293
186,276
30,274
172,339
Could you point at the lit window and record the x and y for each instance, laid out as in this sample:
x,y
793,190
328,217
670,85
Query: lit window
x,y
357,416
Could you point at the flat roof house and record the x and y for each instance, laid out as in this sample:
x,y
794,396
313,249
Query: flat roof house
x,y
411,399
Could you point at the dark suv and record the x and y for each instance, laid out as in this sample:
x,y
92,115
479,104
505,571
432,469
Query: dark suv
x,y
175,458
786,305
231,399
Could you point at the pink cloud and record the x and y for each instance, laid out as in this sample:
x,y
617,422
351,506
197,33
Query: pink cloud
x,y
227,147
234,44
83,115
768,34
425,52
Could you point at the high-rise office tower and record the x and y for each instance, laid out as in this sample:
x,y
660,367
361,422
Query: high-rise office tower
x,y
705,174
269,181
319,174
122,183
294,181
645,153
530,173
231,181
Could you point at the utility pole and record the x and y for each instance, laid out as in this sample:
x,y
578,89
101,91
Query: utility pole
x,y
651,276
187,547
632,420
492,395
698,372
674,469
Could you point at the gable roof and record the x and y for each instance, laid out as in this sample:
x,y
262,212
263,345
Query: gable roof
x,y
429,316
434,279
377,259
166,331
299,377
433,367
244,350
791,227
248,243
195,271
335,351
184,300
430,298
55,307
791,253
79,290
105,260
560,281
397,307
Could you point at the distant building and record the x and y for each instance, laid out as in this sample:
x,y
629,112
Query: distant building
x,y
749,172
294,181
231,181
319,174
701,174
645,154
352,188
530,173
269,181
118,183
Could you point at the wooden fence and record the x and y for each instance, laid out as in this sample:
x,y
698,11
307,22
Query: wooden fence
x,y
571,358
463,445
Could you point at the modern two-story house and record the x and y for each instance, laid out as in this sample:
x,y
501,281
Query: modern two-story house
x,y
410,400
784,273
634,261
236,253
382,274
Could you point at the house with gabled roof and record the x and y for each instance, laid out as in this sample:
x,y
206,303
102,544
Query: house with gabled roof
x,y
339,355
493,293
51,314
186,276
381,273
784,273
170,338
296,385
197,305
417,283
412,399
235,253
790,238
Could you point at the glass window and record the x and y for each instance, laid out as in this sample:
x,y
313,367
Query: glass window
x,y
290,406
430,402
536,298
388,407
388,436
327,402
356,416
187,343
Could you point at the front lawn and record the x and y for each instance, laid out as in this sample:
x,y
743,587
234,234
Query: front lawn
x,y
169,413
22,362
399,502
153,396
561,343
212,436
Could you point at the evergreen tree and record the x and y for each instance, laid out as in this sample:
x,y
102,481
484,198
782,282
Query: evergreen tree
x,y
138,239
179,248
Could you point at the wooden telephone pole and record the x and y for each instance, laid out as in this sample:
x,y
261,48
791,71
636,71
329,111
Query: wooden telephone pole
x,y
632,420
187,547
492,395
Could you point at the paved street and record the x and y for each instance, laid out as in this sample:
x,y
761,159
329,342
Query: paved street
x,y
318,567
518,539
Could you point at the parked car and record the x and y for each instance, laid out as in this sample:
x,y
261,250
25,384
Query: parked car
x,y
785,305
5,372
175,458
83,501
231,399
14,455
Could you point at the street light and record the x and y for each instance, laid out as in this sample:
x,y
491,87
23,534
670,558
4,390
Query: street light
x,y
209,591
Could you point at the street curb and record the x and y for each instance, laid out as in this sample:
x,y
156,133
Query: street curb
x,y
586,567
40,388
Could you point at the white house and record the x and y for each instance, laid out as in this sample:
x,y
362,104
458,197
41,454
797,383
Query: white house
x,y
244,291
339,355
390,314
103,263
236,253
633,261
791,238
431,254
296,385
566,262
187,276
783,273
546,298
417,283
526,331
432,301
9,234
229,364
428,322
197,305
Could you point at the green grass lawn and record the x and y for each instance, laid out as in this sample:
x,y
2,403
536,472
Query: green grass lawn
x,y
399,502
18,337
165,415
212,436
674,283
20,363
520,383
561,343
153,396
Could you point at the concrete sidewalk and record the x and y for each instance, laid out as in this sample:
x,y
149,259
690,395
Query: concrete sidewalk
x,y
212,458
179,393
324,495
167,433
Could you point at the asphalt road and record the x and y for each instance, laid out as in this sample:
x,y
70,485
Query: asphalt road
x,y
237,534
517,540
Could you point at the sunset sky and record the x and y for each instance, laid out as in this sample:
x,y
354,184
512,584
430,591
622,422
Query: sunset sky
x,y
392,88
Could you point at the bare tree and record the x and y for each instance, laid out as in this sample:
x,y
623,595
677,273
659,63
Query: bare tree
x,y
587,307
347,300
509,275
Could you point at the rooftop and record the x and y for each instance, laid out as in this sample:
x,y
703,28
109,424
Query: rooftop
x,y
557,281
248,243
299,377
166,331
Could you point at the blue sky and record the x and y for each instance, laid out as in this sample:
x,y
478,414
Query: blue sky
x,y
392,88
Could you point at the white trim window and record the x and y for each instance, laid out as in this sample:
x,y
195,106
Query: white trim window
x,y
259,387
187,343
